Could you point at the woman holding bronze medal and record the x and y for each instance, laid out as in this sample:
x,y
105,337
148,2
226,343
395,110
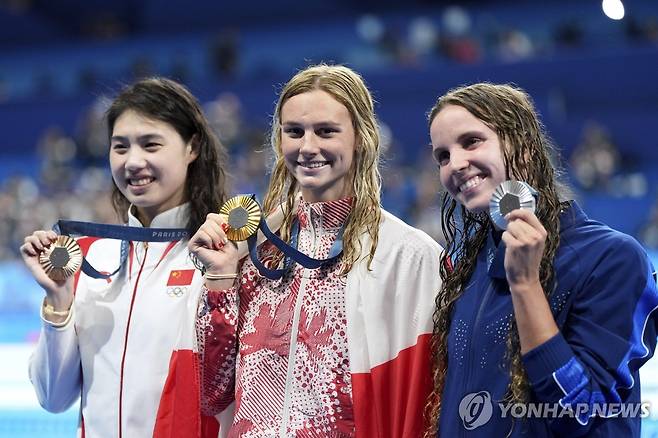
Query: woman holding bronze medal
x,y
333,348
546,316
109,334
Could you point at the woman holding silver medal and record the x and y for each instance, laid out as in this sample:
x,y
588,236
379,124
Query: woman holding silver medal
x,y
544,308
109,338
337,350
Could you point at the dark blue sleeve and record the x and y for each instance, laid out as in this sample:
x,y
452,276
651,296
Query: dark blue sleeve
x,y
610,331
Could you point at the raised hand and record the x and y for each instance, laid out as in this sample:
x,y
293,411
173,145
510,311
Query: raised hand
x,y
59,294
212,248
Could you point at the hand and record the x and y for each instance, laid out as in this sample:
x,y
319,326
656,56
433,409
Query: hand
x,y
524,241
212,248
59,294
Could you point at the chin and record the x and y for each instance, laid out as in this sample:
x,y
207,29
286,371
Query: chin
x,y
476,207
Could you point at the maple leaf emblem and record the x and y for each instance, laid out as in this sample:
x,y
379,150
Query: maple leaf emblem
x,y
311,333
270,332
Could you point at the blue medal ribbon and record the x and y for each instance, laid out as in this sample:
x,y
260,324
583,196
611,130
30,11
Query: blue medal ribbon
x,y
290,251
119,232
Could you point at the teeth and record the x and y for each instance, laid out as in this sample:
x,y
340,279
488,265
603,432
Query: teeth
x,y
141,181
313,164
476,180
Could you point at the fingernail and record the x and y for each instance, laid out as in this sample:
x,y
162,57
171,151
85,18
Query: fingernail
x,y
225,227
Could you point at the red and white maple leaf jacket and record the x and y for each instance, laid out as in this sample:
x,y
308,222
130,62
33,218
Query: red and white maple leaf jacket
x,y
316,354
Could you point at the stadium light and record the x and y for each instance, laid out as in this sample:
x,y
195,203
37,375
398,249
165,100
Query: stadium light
x,y
613,9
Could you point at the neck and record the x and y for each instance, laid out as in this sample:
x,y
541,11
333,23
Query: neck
x,y
144,217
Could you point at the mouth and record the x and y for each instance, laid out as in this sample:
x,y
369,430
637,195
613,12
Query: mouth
x,y
140,182
471,183
313,164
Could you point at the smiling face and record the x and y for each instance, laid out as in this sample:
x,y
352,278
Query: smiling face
x,y
318,143
469,156
149,162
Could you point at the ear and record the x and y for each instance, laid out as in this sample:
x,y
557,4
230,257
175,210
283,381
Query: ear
x,y
192,149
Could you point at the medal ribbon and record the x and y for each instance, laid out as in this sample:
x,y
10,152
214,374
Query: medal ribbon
x,y
290,251
119,232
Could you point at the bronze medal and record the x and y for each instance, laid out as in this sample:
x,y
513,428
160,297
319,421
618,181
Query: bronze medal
x,y
62,259
242,214
508,196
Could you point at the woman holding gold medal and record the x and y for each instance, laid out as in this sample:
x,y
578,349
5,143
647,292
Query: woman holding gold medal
x,y
109,338
335,348
545,319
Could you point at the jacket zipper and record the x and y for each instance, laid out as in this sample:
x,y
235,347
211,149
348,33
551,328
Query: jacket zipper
x,y
470,351
125,345
285,416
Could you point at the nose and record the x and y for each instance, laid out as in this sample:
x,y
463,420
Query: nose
x,y
135,159
309,144
459,160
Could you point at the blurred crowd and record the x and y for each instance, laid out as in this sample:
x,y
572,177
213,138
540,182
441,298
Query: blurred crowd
x,y
462,35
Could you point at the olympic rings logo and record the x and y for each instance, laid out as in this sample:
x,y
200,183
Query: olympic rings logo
x,y
176,291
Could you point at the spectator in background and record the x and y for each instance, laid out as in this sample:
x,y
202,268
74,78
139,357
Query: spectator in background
x,y
596,158
224,53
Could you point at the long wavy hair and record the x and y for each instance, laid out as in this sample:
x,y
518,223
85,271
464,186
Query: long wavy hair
x,y
348,88
170,102
527,153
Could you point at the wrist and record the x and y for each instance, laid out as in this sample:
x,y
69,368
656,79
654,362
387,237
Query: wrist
x,y
51,315
56,303
524,285
220,284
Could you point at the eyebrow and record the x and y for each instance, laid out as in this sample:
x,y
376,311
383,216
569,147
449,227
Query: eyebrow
x,y
469,134
141,139
318,124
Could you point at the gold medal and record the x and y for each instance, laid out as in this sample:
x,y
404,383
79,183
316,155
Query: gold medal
x,y
62,259
242,214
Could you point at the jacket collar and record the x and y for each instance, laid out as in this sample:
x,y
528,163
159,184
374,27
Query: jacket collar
x,y
173,218
326,215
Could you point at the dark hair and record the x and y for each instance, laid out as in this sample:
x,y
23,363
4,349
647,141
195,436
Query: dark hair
x,y
527,153
170,102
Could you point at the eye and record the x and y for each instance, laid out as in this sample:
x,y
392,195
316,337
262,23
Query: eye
x,y
442,157
119,148
293,131
151,146
326,131
472,141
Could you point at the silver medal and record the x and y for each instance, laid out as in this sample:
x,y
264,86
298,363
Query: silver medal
x,y
508,196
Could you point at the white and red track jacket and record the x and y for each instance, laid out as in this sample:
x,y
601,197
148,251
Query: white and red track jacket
x,y
387,327
116,351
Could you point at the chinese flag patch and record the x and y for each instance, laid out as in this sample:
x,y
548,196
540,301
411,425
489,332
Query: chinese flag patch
x,y
180,277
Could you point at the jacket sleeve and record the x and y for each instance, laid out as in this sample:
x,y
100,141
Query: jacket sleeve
x,y
591,366
217,333
54,367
